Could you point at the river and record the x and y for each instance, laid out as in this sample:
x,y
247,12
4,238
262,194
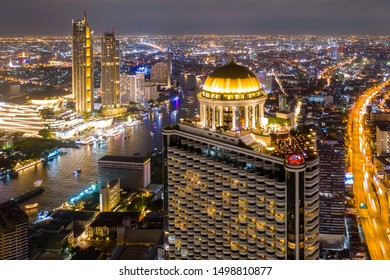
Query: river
x,y
57,174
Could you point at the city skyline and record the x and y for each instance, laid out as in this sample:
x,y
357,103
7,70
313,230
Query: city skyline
x,y
218,147
323,17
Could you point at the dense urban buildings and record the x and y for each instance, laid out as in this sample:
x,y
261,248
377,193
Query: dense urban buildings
x,y
110,70
233,192
382,139
132,88
160,73
313,90
332,194
82,66
13,232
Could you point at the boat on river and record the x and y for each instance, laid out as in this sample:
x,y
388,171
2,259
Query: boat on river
x,y
28,195
31,206
38,183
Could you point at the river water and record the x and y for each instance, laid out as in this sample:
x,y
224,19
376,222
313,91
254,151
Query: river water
x,y
57,174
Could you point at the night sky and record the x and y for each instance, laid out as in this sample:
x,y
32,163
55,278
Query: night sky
x,y
327,17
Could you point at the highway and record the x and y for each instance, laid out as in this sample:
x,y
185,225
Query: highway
x,y
374,219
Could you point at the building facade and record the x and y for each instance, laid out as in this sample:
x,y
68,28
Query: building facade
x,y
229,197
382,139
21,118
332,194
110,70
109,195
82,66
160,73
13,232
132,88
131,163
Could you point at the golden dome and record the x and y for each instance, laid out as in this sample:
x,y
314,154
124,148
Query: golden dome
x,y
232,81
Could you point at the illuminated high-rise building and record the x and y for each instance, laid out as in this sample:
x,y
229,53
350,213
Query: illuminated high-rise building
x,y
132,88
169,82
110,70
13,232
109,195
382,139
332,194
82,67
161,72
233,189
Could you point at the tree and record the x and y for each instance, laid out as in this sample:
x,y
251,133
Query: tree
x,y
45,133
138,204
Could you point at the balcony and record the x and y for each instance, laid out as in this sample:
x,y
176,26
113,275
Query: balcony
x,y
312,249
314,230
312,224
260,179
312,241
311,174
259,163
260,196
270,216
280,202
281,227
311,215
269,198
260,212
267,165
233,155
280,193
312,207
311,191
261,248
312,183
280,253
313,256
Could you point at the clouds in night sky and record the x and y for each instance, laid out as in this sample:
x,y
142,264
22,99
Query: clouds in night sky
x,y
198,17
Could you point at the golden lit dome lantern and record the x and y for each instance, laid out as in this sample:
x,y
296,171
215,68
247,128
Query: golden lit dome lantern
x,y
231,79
232,98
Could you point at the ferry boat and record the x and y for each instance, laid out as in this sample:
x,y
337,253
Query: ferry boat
x,y
88,141
28,195
31,206
38,183
77,172
51,155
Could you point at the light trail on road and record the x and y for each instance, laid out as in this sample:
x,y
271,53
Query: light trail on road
x,y
374,220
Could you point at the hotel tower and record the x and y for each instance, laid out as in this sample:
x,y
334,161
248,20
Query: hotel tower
x,y
236,187
13,232
82,67
110,70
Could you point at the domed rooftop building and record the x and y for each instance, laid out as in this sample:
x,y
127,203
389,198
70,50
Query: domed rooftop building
x,y
232,98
